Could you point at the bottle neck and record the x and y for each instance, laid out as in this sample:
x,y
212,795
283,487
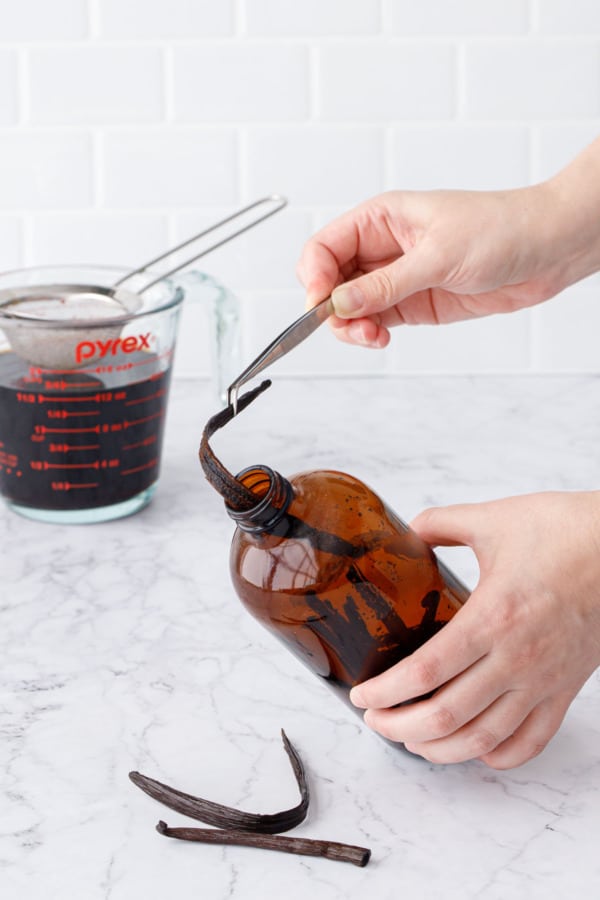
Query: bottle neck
x,y
273,495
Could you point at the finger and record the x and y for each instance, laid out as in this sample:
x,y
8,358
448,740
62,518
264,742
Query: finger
x,y
319,272
451,707
450,525
364,332
452,650
532,735
384,287
482,735
329,257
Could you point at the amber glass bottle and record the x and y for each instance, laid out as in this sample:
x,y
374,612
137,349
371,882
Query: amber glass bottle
x,y
326,566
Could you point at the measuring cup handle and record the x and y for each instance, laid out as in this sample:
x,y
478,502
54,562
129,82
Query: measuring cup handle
x,y
276,201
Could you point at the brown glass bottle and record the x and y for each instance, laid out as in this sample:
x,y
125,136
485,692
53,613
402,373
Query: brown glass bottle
x,y
326,566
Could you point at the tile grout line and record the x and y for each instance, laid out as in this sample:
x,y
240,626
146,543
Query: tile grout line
x,y
23,87
94,19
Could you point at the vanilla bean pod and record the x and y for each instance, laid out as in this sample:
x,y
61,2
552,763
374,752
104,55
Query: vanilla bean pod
x,y
233,491
226,816
358,856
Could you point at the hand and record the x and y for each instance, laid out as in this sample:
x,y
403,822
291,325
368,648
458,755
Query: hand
x,y
435,257
507,666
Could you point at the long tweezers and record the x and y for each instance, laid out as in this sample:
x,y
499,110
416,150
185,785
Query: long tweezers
x,y
297,332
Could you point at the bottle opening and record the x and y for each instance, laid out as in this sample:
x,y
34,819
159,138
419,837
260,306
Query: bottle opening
x,y
273,496
257,479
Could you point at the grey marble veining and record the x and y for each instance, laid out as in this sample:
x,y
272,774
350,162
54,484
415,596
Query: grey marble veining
x,y
123,647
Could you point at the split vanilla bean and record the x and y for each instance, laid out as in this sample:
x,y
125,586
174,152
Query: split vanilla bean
x,y
358,856
226,816
232,490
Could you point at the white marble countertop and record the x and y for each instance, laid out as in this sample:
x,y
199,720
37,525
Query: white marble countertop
x,y
124,647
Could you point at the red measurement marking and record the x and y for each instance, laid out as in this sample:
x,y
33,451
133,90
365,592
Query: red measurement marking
x,y
43,429
148,397
144,362
33,377
8,459
71,448
148,465
68,486
44,465
145,443
105,397
48,465
63,414
64,385
131,424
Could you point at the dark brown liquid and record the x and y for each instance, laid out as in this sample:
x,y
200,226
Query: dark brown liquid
x,y
74,441
342,581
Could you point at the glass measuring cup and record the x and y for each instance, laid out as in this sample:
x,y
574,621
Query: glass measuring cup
x,y
83,395
86,358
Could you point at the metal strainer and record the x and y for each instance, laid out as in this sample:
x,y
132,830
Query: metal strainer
x,y
31,314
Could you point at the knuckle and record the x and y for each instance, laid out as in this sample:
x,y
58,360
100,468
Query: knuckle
x,y
499,759
483,741
532,750
444,721
505,613
382,285
424,674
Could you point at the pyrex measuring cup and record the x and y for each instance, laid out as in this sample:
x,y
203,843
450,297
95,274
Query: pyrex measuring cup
x,y
85,368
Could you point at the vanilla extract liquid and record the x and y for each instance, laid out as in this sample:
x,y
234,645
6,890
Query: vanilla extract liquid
x,y
80,439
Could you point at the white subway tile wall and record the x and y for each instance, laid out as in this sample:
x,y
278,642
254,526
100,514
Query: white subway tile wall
x,y
433,156
164,19
10,243
126,125
95,85
532,79
240,82
168,168
8,87
458,18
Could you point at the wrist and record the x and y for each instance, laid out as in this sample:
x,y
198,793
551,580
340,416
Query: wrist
x,y
570,206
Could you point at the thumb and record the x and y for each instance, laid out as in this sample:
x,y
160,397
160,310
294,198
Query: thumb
x,y
383,287
449,526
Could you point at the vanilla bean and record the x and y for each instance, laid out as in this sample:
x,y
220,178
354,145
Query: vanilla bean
x,y
358,856
226,816
233,491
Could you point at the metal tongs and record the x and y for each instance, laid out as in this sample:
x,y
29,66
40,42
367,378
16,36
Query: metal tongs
x,y
297,332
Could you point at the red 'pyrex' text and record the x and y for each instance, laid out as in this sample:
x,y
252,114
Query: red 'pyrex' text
x,y
101,349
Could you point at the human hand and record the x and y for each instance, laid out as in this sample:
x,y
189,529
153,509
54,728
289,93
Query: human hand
x,y
509,663
434,257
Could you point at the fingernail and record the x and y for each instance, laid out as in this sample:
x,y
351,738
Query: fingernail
x,y
347,300
356,698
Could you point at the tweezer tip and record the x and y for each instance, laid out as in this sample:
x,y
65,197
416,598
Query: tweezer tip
x,y
232,398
